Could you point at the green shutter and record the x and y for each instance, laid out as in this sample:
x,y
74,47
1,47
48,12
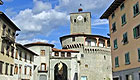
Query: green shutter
x,y
134,32
116,61
115,44
134,10
127,61
138,54
123,19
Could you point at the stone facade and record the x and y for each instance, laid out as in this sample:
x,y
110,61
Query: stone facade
x,y
83,56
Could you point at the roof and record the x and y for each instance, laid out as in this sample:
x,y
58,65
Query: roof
x,y
89,35
64,50
111,9
38,44
17,44
4,17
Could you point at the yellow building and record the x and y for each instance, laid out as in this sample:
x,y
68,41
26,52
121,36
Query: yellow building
x,y
124,24
7,44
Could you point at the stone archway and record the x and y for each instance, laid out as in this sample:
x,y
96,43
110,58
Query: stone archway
x,y
60,71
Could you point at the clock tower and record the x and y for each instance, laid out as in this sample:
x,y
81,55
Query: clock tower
x,y
80,22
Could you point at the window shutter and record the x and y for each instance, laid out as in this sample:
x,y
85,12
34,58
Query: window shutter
x,y
134,10
139,54
134,32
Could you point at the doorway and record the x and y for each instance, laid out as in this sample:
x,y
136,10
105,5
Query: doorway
x,y
60,71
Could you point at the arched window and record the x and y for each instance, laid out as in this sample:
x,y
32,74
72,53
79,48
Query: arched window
x,y
43,66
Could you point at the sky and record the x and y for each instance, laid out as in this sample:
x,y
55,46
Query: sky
x,y
47,20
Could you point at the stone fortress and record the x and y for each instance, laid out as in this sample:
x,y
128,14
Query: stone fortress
x,y
83,56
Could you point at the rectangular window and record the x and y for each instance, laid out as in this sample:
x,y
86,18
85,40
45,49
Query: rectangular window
x,y
20,69
117,61
7,50
30,72
138,54
11,70
12,52
88,43
1,67
83,77
56,53
129,77
73,38
136,31
62,54
125,39
43,67
25,70
115,44
68,54
9,31
6,69
127,59
16,56
122,6
25,57
136,9
16,69
30,59
42,52
2,47
123,19
4,29
114,27
113,15
20,55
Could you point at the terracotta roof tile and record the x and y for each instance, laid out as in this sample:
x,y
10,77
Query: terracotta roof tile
x,y
39,43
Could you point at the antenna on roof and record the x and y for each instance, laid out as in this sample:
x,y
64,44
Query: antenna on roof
x,y
80,9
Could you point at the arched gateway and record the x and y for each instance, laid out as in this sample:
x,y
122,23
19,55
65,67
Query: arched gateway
x,y
60,71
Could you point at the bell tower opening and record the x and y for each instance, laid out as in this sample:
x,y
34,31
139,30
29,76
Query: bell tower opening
x,y
80,22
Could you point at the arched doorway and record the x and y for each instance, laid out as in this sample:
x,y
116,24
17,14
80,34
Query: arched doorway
x,y
60,71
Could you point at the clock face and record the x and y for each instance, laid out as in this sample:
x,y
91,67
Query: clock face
x,y
79,17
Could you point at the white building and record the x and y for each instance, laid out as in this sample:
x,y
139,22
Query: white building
x,y
24,63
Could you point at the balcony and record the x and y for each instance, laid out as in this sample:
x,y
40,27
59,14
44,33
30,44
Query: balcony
x,y
42,69
23,76
8,38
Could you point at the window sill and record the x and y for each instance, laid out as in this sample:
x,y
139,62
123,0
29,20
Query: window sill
x,y
116,66
136,14
123,24
124,43
114,31
137,37
127,63
115,48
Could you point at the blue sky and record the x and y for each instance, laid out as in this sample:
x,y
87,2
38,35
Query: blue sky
x,y
47,20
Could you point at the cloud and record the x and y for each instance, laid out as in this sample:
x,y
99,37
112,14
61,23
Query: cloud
x,y
43,18
99,22
41,23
